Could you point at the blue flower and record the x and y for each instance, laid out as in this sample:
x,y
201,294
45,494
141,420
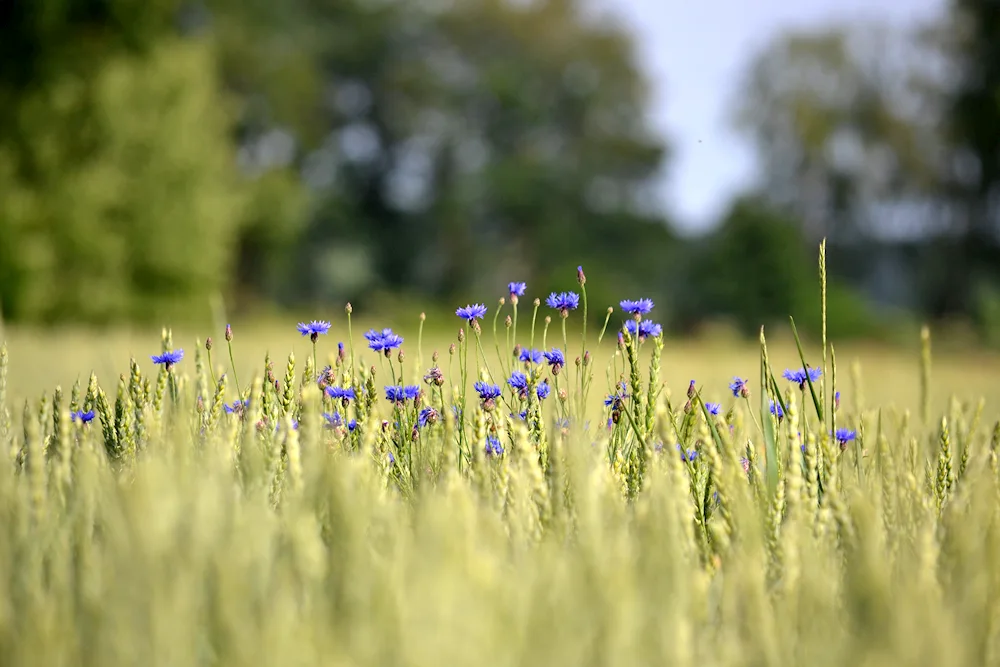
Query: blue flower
x,y
689,456
493,446
644,329
333,419
472,312
314,328
639,307
516,290
352,424
845,436
713,408
563,301
168,359
343,393
237,406
531,356
555,359
384,341
543,390
777,411
487,391
398,393
519,381
614,401
428,415
739,387
799,376
81,416
836,400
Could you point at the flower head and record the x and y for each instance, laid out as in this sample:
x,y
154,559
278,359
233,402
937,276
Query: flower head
x,y
777,411
472,312
845,436
516,290
689,455
313,329
493,446
81,416
543,389
638,307
399,393
563,302
383,341
428,415
643,329
713,408
531,356
344,393
739,388
801,375
237,406
168,359
486,391
555,359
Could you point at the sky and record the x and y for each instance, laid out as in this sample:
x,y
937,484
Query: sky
x,y
694,52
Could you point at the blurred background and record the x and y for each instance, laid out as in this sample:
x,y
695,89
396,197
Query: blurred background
x,y
161,157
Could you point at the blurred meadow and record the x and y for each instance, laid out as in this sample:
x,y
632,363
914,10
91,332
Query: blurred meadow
x,y
703,486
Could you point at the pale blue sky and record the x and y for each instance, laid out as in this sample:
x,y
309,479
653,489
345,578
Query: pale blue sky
x,y
694,51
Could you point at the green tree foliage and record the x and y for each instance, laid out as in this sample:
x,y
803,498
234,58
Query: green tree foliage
x,y
120,196
844,129
441,141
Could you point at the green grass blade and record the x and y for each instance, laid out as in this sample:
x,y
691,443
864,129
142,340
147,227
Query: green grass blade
x,y
770,444
802,356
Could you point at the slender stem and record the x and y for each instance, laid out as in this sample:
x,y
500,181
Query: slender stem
x,y
232,362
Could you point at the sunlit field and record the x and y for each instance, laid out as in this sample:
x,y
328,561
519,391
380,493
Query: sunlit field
x,y
398,501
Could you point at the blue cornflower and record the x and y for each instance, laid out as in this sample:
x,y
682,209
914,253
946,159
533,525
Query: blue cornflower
x,y
777,411
168,359
688,456
81,416
799,376
543,390
333,419
344,393
516,290
614,401
555,359
384,341
563,302
739,387
844,436
398,393
531,356
836,400
487,391
713,408
237,406
519,381
472,312
638,307
493,446
428,415
643,329
314,328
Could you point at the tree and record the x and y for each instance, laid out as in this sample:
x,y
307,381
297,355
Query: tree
x,y
845,128
120,199
434,139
